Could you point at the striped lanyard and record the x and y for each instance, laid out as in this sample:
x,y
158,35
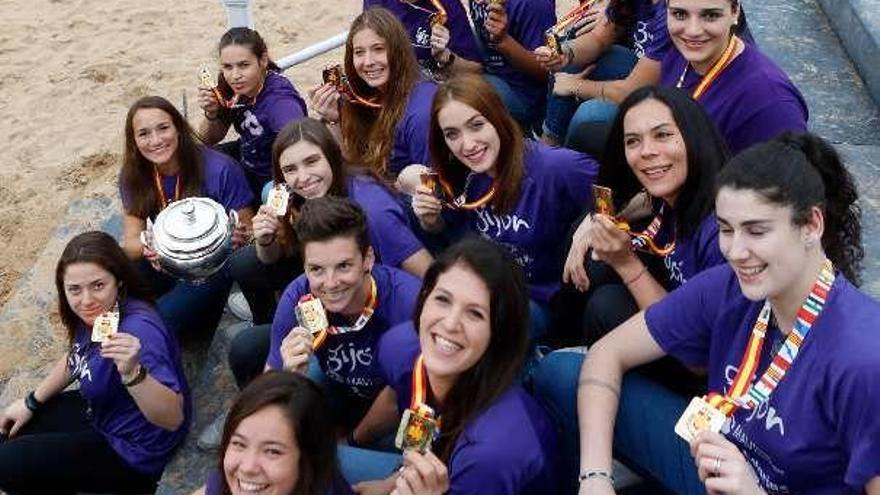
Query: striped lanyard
x,y
741,394
359,324
645,240
459,203
163,200
713,71
418,402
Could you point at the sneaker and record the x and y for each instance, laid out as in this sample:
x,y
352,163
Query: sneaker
x,y
239,307
209,438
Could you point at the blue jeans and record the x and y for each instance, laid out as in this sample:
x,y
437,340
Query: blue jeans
x,y
616,63
359,464
527,113
643,434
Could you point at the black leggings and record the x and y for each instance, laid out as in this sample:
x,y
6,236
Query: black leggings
x,y
59,452
259,282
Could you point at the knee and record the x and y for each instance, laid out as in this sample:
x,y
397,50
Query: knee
x,y
248,352
608,306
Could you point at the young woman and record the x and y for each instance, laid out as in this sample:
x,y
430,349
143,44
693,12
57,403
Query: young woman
x,y
790,232
441,46
750,99
132,409
257,100
164,162
308,160
277,439
521,194
384,127
507,32
460,359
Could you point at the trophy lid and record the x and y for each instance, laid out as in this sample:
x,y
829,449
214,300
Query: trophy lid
x,y
190,228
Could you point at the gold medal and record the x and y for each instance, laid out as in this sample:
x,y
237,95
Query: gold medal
x,y
699,416
104,326
417,430
603,199
311,316
553,42
431,180
278,200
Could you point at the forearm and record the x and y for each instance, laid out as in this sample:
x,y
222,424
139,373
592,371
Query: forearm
x,y
270,252
641,284
592,45
58,379
521,59
598,396
159,404
460,65
132,227
212,131
418,263
381,418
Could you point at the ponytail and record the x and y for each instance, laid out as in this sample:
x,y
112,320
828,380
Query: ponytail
x,y
803,171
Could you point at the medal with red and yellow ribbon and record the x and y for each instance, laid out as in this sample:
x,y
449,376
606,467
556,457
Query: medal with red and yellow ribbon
x,y
714,71
418,425
460,202
311,315
163,200
712,411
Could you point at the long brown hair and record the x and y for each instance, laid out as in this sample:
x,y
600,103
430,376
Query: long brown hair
x,y
368,133
137,176
477,93
101,249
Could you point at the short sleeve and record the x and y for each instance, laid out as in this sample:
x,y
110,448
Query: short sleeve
x,y
231,186
859,421
285,320
288,105
156,354
390,232
783,113
709,253
527,21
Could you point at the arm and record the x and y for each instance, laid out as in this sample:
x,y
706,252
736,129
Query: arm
x,y
418,263
132,227
873,486
18,414
244,228
266,229
646,72
381,418
591,46
521,58
199,491
212,129
599,386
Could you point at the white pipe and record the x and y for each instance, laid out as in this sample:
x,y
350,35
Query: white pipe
x,y
238,13
312,51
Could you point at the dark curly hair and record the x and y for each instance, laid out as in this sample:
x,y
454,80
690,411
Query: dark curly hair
x,y
803,171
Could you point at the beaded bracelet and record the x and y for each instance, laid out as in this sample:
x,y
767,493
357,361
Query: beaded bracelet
x,y
596,473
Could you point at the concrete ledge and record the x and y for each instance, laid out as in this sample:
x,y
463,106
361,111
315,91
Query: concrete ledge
x,y
857,23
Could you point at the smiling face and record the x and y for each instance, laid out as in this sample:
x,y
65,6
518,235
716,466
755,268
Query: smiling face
x,y
469,135
90,290
655,149
700,29
370,58
155,135
338,273
455,324
262,455
243,70
306,169
767,251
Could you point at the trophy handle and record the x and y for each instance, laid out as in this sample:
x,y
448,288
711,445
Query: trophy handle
x,y
146,235
233,218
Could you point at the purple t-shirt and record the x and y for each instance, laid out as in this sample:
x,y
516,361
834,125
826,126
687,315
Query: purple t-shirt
x,y
555,190
277,104
751,101
141,444
487,458
349,359
411,133
222,180
819,433
390,231
692,254
526,22
416,17
648,35
214,486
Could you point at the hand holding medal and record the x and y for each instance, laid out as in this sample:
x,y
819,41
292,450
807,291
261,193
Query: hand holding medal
x,y
296,348
105,325
124,349
722,467
421,474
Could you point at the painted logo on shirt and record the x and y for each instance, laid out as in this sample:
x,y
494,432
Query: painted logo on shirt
x,y
251,124
351,365
77,363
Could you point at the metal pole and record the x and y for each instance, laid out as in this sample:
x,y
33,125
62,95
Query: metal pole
x,y
238,13
312,51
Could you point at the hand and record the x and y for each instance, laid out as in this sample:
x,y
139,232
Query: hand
x,y
152,257
439,41
241,234
734,474
566,84
266,224
208,101
549,60
14,417
586,23
574,272
427,208
376,487
124,349
422,474
410,178
496,22
325,102
296,349
610,243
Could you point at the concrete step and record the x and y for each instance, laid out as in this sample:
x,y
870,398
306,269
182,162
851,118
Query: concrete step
x,y
857,22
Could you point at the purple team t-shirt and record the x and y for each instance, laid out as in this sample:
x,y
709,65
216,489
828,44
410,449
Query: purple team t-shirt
x,y
222,180
693,253
349,359
258,123
751,101
526,22
144,446
819,433
416,18
648,35
487,458
389,228
555,190
411,132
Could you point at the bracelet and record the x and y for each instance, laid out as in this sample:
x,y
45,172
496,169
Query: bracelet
x,y
269,243
596,473
31,402
638,276
139,377
215,117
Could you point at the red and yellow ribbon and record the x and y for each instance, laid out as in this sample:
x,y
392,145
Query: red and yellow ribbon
x,y
362,320
163,200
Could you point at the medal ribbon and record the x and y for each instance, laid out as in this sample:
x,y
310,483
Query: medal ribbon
x,y
459,202
645,240
359,324
713,72
418,403
741,395
163,200
572,16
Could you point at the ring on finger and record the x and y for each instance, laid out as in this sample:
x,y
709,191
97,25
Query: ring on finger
x,y
716,467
